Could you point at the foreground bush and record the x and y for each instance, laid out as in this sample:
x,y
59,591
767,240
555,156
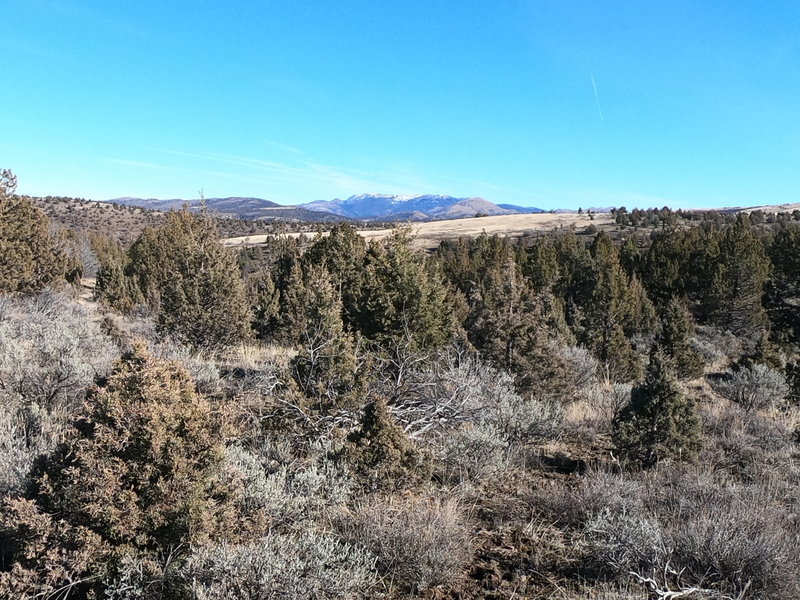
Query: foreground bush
x,y
50,351
660,422
754,388
418,543
141,472
682,529
291,567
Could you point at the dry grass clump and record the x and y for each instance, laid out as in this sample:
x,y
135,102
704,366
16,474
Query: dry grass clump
x,y
750,446
51,350
292,494
756,387
675,529
418,543
288,566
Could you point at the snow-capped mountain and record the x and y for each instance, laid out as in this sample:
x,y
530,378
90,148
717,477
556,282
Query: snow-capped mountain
x,y
389,207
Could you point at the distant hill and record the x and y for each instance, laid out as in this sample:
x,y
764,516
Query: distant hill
x,y
235,206
522,209
387,207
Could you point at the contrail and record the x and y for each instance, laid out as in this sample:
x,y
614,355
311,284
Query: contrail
x,y
596,98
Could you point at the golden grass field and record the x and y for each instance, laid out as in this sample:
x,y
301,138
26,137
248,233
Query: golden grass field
x,y
427,235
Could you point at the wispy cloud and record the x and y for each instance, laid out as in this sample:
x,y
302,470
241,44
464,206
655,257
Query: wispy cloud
x,y
282,147
597,98
132,163
311,173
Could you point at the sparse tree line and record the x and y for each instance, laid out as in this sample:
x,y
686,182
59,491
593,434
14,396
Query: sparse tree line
x,y
342,419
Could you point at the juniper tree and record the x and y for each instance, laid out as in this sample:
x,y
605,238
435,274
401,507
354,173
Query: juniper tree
x,y
326,368
783,289
404,295
542,264
516,329
264,303
660,421
141,473
629,256
609,310
343,253
191,282
677,327
31,257
381,453
736,286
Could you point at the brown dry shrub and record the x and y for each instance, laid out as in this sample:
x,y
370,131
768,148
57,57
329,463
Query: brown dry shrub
x,y
142,472
419,543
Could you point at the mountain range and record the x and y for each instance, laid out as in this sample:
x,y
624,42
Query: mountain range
x,y
367,207
235,206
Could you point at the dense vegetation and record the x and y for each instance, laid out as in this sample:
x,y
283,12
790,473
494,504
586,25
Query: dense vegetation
x,y
546,418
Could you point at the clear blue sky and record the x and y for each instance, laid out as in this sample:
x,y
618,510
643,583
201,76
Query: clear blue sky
x,y
544,103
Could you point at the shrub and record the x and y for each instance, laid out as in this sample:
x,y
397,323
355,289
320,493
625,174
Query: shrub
x,y
748,445
754,388
660,422
581,366
608,400
31,257
472,453
51,350
621,542
26,432
419,543
682,529
292,567
44,556
381,453
289,494
142,471
455,389
205,373
736,543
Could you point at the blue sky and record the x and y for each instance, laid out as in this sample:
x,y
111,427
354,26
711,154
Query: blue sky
x,y
542,103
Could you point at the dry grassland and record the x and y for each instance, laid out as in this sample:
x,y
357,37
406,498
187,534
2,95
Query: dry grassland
x,y
774,208
428,234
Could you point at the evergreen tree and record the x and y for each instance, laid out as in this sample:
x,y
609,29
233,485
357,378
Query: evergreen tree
x,y
31,257
264,303
659,422
542,265
677,326
516,329
629,257
343,253
381,453
326,367
404,295
116,289
203,302
608,312
641,317
783,289
573,282
190,281
734,299
147,265
277,293
140,474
